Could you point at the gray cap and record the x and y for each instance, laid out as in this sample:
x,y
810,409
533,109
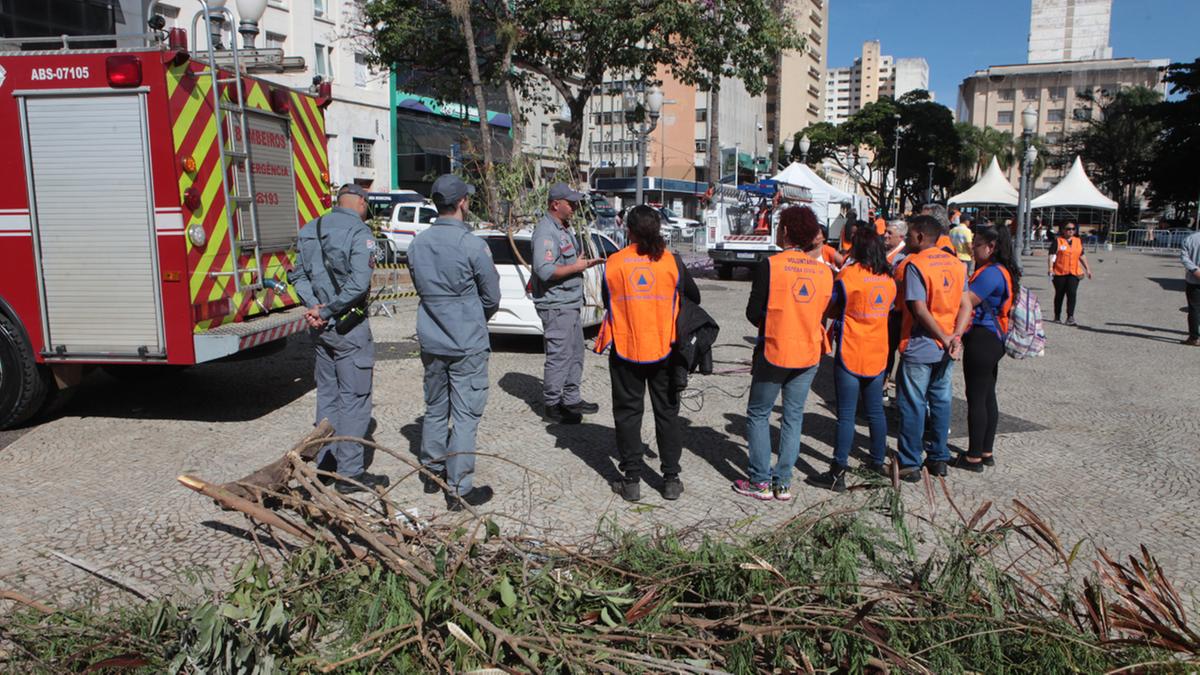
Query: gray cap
x,y
448,189
561,191
352,189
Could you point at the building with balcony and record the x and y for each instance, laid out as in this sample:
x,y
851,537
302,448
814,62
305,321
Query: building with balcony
x,y
872,75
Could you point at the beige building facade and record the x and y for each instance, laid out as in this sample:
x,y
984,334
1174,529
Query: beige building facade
x,y
1069,30
872,75
796,93
995,97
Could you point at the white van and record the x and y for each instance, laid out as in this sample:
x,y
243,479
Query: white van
x,y
407,220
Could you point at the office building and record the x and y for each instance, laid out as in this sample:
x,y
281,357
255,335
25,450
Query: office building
x,y
872,75
996,96
1069,30
795,94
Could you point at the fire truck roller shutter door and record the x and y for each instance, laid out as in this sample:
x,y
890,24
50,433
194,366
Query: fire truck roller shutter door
x,y
93,222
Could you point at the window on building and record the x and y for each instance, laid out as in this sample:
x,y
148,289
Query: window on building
x,y
1029,93
364,153
361,75
324,61
545,136
597,118
1006,94
1056,115
1083,92
701,114
1053,139
320,9
1004,117
701,146
1058,93
276,41
1082,114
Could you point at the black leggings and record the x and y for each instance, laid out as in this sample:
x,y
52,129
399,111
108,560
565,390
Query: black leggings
x,y
1065,285
982,352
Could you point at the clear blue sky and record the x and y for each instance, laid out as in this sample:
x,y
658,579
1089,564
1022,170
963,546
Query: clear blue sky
x,y
958,37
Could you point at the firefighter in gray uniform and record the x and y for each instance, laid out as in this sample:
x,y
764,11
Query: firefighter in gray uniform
x,y
558,297
459,287
334,258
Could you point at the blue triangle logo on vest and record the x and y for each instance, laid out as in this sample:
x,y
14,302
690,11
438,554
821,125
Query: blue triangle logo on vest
x,y
945,282
804,290
879,299
642,280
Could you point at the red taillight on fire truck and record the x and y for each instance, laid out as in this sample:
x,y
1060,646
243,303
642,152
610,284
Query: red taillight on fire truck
x,y
191,199
177,39
124,70
188,164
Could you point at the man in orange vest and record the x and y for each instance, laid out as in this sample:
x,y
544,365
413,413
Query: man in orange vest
x,y
938,212
937,310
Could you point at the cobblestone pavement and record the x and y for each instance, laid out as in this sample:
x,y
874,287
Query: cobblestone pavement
x,y
1100,437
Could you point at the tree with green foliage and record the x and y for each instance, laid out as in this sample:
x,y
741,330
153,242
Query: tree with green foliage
x,y
1119,144
1173,178
570,45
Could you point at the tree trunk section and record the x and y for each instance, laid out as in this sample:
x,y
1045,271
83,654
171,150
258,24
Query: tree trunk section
x,y
714,133
462,9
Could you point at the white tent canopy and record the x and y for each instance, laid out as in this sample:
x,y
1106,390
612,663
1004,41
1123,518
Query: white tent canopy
x,y
826,199
1074,190
992,188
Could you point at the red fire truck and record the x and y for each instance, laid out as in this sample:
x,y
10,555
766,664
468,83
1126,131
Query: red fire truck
x,y
150,207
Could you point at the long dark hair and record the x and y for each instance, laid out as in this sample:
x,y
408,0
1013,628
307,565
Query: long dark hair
x,y
645,230
1003,253
868,249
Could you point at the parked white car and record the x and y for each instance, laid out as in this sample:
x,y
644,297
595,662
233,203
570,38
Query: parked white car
x,y
678,226
407,221
517,315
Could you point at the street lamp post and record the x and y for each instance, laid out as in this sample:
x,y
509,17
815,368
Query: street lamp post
x,y
788,143
929,185
1028,124
635,112
805,144
887,208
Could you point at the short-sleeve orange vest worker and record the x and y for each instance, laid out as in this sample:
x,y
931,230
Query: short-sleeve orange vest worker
x,y
799,293
1006,308
643,303
944,242
1066,257
944,276
863,340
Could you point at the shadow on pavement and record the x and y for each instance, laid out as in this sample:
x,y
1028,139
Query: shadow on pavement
x,y
1125,333
1144,327
248,536
1169,283
223,391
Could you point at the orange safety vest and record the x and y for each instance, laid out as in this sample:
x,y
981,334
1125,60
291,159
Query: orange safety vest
x,y
643,304
880,226
944,276
893,253
828,252
1066,258
792,335
845,243
944,241
1006,308
863,339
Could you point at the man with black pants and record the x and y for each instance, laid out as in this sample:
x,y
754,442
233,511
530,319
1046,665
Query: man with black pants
x,y
558,297
1189,255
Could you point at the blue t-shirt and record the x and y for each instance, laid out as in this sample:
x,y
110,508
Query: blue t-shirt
x,y
991,288
921,347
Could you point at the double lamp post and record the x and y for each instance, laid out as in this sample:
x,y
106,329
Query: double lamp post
x,y
1029,119
641,117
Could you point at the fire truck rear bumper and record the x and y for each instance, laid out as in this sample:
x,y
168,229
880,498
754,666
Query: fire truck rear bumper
x,y
235,337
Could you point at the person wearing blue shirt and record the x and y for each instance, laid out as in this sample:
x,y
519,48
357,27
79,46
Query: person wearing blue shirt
x,y
993,289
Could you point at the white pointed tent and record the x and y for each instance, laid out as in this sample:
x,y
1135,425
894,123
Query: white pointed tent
x,y
1074,190
826,199
991,188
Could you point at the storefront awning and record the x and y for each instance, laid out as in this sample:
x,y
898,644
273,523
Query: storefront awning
x,y
441,138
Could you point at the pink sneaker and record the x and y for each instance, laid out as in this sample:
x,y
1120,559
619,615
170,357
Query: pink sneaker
x,y
760,491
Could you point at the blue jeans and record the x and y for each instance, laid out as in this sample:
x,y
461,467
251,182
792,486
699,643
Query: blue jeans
x,y
849,388
924,388
766,383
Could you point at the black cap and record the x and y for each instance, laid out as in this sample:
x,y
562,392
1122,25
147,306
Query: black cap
x,y
448,189
561,191
352,189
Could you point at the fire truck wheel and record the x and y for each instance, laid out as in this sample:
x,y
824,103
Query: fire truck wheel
x,y
23,383
725,272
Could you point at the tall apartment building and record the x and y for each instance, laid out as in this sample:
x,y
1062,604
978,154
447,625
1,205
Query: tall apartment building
x,y
996,96
357,122
1069,30
796,92
872,75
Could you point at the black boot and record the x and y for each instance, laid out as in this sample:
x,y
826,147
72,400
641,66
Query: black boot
x,y
833,479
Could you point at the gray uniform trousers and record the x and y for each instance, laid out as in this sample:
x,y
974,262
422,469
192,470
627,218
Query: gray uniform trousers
x,y
563,331
456,390
345,364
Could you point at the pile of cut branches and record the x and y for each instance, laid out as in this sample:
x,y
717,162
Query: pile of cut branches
x,y
364,586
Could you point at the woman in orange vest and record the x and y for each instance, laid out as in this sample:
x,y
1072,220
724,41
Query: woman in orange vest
x,y
1066,265
992,290
848,235
642,283
862,299
788,298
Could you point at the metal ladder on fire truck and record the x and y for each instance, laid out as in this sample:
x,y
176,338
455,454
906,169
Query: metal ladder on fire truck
x,y
240,207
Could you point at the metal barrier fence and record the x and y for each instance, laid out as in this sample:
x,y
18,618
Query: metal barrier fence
x,y
1156,241
389,283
